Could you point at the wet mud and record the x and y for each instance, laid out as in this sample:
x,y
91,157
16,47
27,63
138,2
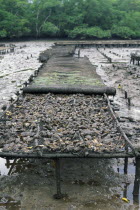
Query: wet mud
x,y
17,66
87,183
125,78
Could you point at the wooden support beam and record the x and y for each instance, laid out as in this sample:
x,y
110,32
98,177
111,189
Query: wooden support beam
x,y
128,142
137,182
71,90
58,195
67,155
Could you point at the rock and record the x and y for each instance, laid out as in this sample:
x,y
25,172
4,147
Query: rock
x,y
25,134
86,132
6,148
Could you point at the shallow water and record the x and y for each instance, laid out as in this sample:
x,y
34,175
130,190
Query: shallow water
x,y
85,183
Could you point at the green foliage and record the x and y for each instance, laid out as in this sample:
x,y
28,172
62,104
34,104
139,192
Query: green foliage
x,y
96,32
13,22
3,33
89,32
83,19
49,29
122,32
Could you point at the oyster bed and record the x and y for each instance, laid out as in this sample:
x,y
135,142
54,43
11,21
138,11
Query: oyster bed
x,y
60,123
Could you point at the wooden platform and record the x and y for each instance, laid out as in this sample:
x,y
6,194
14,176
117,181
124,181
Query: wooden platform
x,y
63,125
64,73
100,43
68,124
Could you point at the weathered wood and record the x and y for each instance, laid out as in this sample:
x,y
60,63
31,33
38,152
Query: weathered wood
x,y
135,57
65,74
67,155
136,182
71,90
100,43
58,195
121,130
59,51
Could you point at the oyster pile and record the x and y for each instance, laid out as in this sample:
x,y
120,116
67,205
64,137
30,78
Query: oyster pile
x,y
60,123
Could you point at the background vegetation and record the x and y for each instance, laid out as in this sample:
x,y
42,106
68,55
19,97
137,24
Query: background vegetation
x,y
84,19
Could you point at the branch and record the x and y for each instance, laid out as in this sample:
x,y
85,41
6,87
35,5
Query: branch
x,y
37,17
45,20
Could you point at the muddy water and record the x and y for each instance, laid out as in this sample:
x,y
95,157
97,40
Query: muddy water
x,y
89,183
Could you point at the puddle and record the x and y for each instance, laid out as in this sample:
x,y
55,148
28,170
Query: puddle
x,y
131,190
9,203
86,189
4,168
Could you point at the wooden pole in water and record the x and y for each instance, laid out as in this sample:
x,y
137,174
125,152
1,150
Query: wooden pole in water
x,y
125,165
58,195
136,182
125,172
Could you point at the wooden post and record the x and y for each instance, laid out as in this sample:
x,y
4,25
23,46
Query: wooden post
x,y
125,94
79,53
125,165
136,182
58,195
129,102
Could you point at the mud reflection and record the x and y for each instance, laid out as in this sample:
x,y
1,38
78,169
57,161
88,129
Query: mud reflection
x,y
136,197
18,166
9,204
126,167
131,190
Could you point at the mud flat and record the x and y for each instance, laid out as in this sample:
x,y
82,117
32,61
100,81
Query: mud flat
x,y
16,67
125,78
6,48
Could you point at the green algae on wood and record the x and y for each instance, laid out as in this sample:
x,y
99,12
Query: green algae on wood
x,y
66,78
62,69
